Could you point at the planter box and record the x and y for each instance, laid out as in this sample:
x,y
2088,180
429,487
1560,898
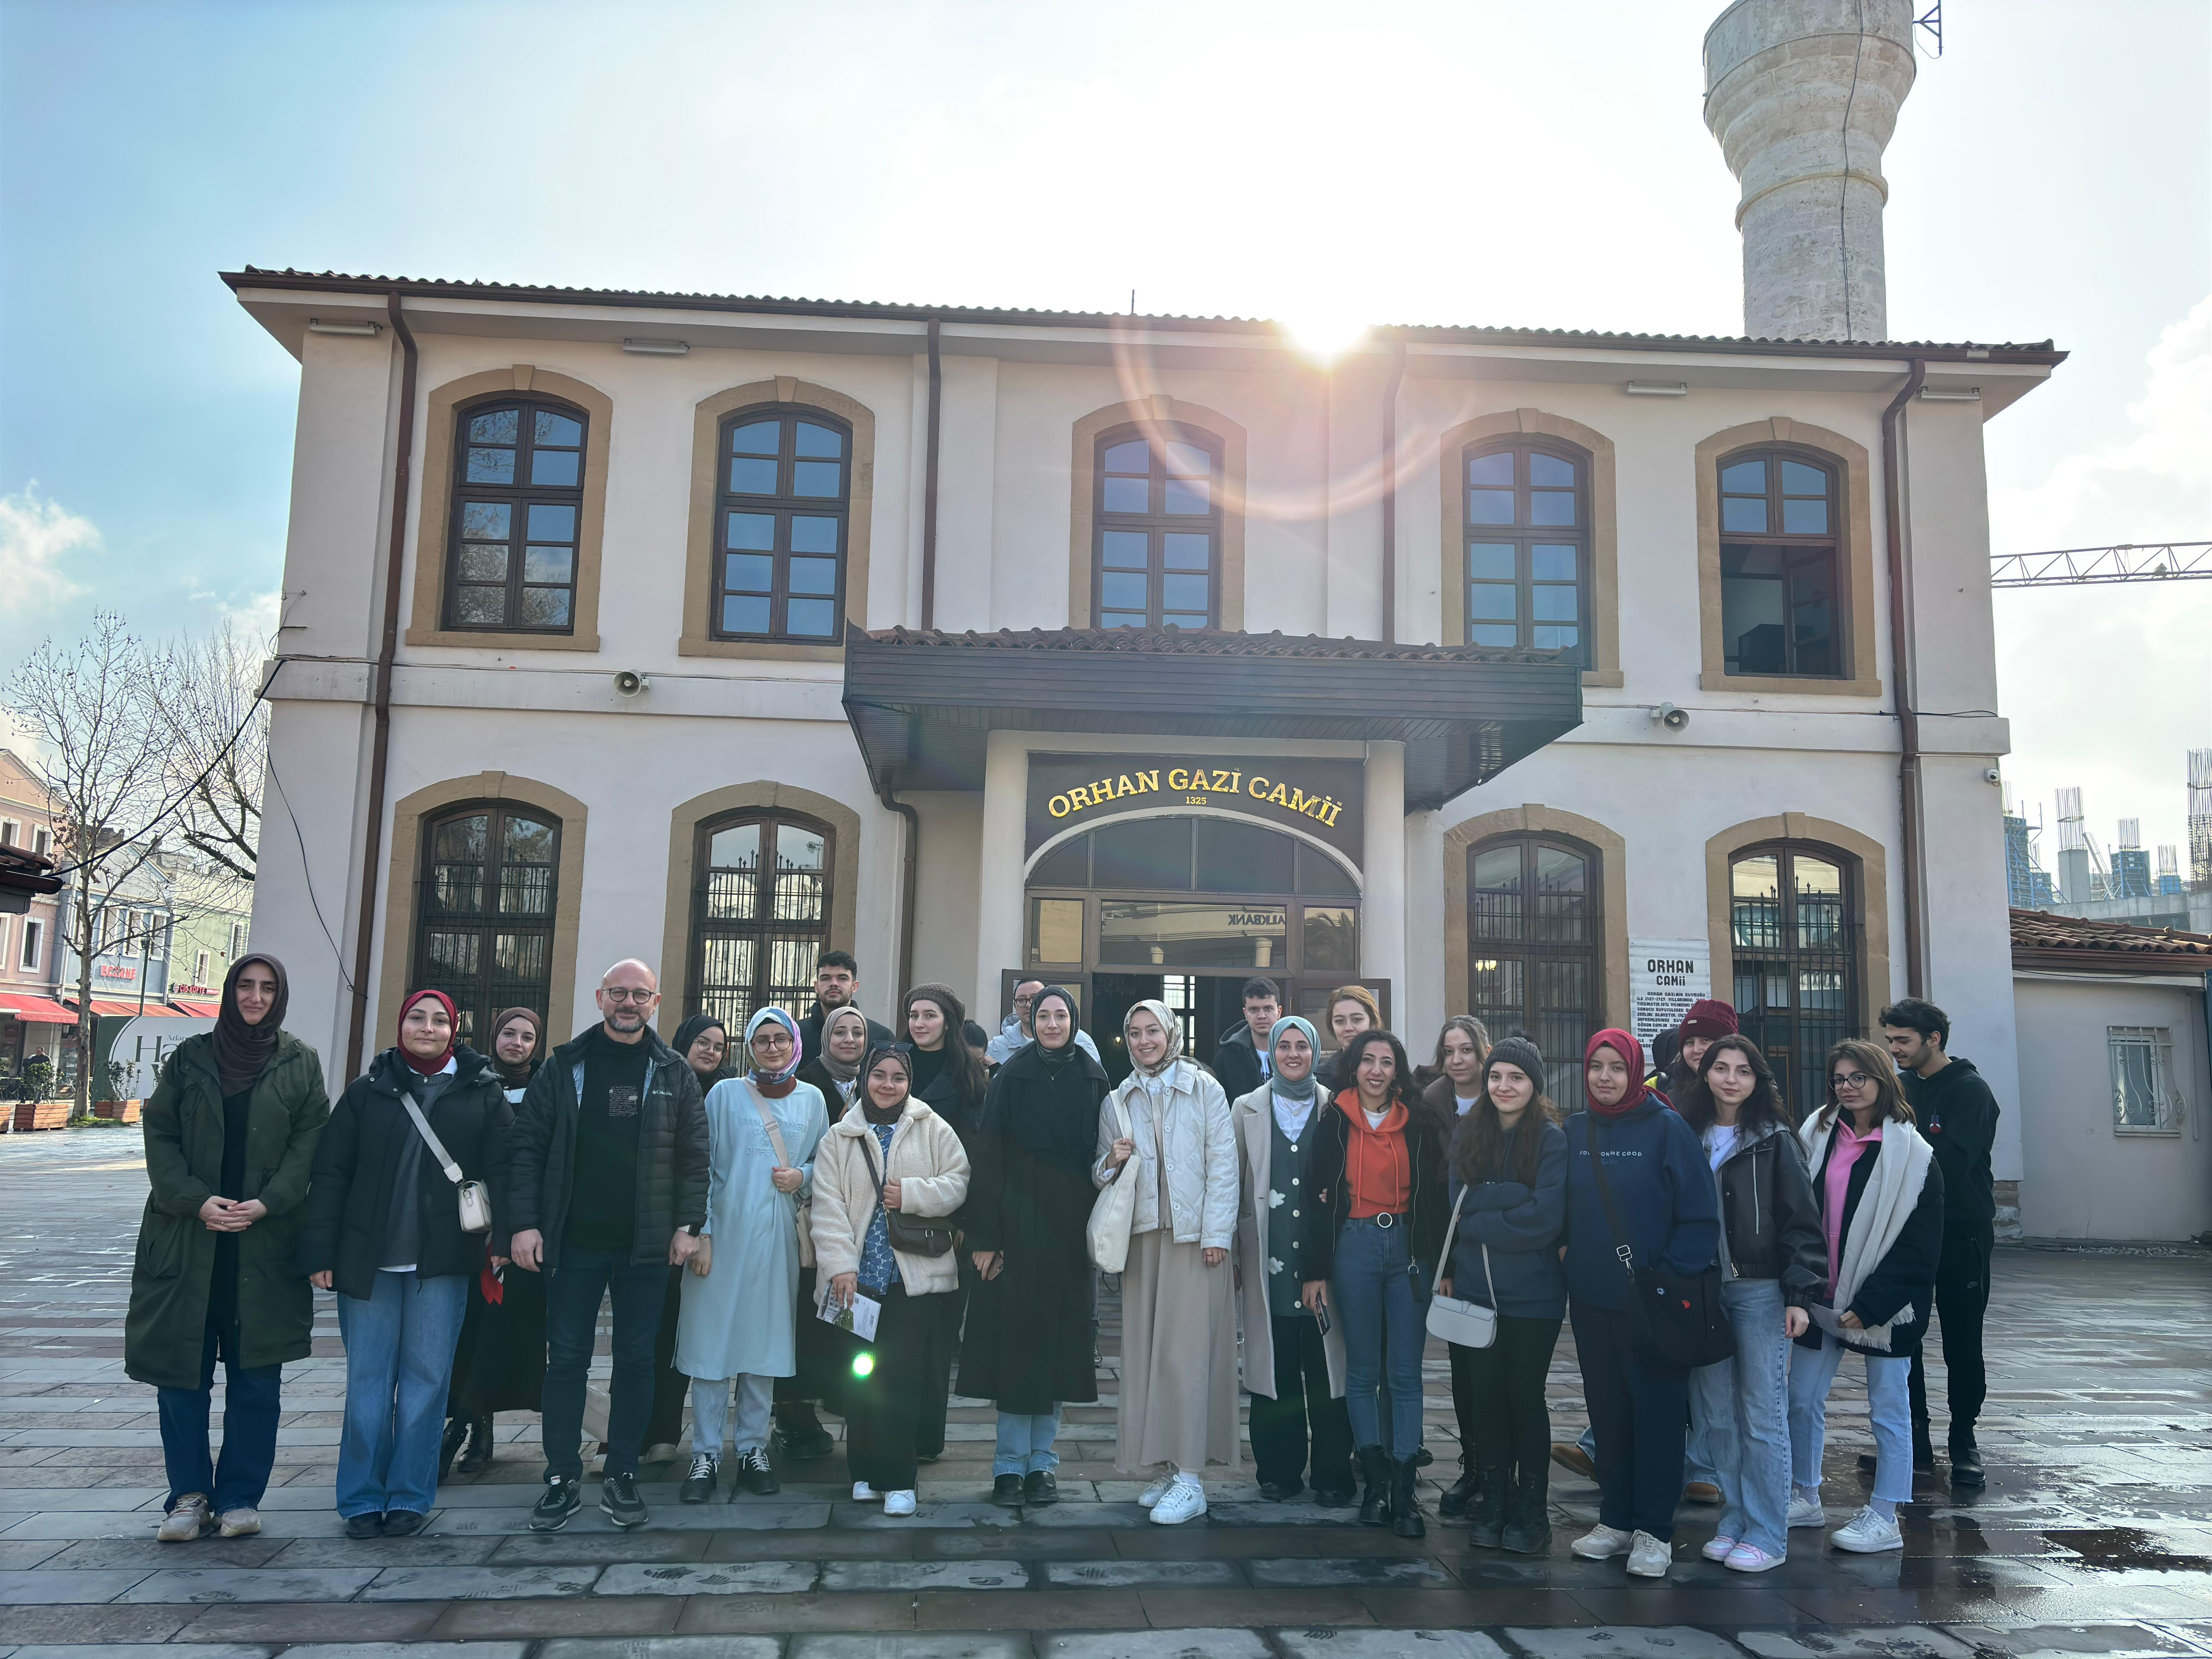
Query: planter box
x,y
42,1114
116,1111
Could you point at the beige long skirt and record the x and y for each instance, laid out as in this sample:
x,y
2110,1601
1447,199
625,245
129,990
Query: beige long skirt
x,y
1178,1359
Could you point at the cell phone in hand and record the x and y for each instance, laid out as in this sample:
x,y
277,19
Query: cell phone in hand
x,y
1321,1317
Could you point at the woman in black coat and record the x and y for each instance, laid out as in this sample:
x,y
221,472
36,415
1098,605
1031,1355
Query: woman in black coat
x,y
948,1079
1029,1334
382,1227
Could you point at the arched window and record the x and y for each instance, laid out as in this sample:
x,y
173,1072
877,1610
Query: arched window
x,y
785,495
1796,949
1533,939
1780,605
1158,514
760,912
1527,547
484,922
519,495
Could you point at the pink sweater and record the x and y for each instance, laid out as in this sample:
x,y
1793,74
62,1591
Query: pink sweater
x,y
1850,1147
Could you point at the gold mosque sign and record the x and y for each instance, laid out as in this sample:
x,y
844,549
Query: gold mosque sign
x,y
1320,798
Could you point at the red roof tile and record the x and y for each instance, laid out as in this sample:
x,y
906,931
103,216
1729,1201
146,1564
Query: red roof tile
x,y
2117,944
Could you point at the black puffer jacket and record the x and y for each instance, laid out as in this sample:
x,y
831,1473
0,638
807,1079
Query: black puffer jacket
x,y
349,1208
671,1150
1771,1219
1431,1208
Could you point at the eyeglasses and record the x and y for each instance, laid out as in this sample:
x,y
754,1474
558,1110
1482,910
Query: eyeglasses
x,y
1851,1080
620,993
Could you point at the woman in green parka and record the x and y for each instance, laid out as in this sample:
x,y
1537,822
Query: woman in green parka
x,y
230,1139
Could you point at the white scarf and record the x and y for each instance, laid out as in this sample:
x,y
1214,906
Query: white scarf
x,y
1892,1192
1291,1116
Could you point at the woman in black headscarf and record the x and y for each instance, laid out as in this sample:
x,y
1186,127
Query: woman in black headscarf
x,y
1029,1343
215,1277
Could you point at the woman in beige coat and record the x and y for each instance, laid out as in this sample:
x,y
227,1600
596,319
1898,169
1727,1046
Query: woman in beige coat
x,y
890,1152
1178,1300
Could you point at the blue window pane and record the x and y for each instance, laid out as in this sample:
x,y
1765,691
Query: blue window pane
x,y
557,430
748,572
756,438
1490,561
1551,472
1186,495
1555,604
1549,562
1185,619
748,478
1135,456
1557,638
1189,460
1490,601
1491,468
745,615
548,564
1490,506
813,619
497,426
1126,550
1183,593
814,575
819,440
487,520
1744,514
1129,496
1182,551
1552,507
483,562
752,530
1799,479
552,524
1491,634
558,467
813,535
493,467
1118,592
1745,478
1121,619
822,479
1801,517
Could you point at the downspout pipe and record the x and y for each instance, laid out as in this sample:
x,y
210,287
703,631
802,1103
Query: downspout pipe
x,y
1909,800
380,750
909,867
1390,492
929,480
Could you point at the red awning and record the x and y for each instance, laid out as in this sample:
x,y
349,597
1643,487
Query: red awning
x,y
35,1011
193,1010
111,1010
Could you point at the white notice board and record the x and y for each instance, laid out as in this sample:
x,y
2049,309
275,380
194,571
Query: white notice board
x,y
1665,977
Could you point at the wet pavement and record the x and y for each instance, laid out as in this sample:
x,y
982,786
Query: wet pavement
x,y
2093,1536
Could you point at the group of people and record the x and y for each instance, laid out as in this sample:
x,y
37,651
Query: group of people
x,y
818,1215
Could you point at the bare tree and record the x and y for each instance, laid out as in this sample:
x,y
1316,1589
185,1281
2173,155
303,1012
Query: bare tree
x,y
218,747
103,759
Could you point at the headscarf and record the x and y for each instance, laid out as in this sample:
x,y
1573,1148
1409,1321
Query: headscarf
x,y
517,1076
1054,1058
870,1111
772,1015
1168,1023
840,1073
415,1061
243,1052
1057,1124
1304,1088
1624,1044
688,1033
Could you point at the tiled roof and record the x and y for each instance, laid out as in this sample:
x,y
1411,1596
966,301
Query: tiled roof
x,y
2039,930
443,288
1179,642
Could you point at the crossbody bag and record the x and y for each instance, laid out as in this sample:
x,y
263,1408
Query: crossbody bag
x,y
474,1197
917,1235
1468,1324
804,1210
1680,1315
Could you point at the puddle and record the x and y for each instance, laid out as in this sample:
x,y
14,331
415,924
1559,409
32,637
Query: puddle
x,y
2115,1549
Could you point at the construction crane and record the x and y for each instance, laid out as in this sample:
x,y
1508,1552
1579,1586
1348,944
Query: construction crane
x,y
2129,562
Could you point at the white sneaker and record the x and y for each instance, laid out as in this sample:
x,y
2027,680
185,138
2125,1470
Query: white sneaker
x,y
898,1502
865,1493
1867,1534
1152,1494
241,1523
1807,1512
1717,1549
1185,1501
1602,1543
184,1523
1647,1557
1749,1558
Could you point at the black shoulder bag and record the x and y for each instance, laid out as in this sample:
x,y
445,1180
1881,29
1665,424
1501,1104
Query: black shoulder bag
x,y
916,1235
1681,1314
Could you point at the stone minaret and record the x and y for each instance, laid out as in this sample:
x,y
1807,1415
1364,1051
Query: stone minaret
x,y
1804,95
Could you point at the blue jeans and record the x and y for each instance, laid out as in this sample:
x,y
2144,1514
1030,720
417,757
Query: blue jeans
x,y
399,1363
1376,1298
1889,1407
250,1413
1739,1410
572,1293
1025,1444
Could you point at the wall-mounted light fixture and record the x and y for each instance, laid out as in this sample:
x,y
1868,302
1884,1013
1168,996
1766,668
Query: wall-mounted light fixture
x,y
1657,388
657,348
362,329
1972,394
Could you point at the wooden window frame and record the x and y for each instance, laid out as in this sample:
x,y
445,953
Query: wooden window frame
x,y
1158,409
1752,1018
782,506
762,928
519,497
1157,521
498,811
1529,949
1524,534
1828,542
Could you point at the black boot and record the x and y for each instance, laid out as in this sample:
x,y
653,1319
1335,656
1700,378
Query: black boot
x,y
457,1429
1375,1487
1486,1518
1966,1461
1458,1495
1528,1514
478,1456
1406,1500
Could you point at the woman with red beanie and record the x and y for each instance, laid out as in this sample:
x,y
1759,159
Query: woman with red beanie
x,y
383,1228
1657,1201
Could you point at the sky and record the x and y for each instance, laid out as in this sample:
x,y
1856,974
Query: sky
x,y
1461,162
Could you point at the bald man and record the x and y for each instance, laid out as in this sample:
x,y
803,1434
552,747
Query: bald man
x,y
608,1184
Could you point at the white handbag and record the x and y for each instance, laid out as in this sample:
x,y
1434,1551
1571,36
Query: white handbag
x,y
474,1196
1467,1324
1115,1208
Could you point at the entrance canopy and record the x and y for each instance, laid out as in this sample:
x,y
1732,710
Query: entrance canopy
x,y
923,703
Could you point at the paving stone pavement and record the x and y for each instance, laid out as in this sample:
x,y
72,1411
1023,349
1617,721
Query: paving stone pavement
x,y
2094,1537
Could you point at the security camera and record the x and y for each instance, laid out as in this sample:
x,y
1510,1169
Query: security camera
x,y
629,683
1992,775
1673,718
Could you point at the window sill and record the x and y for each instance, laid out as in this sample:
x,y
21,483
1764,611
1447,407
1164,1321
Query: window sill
x,y
493,640
2121,1132
1789,685
694,645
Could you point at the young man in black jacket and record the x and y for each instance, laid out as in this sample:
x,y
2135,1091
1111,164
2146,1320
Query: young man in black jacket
x,y
1240,1060
837,982
1958,1114
607,1175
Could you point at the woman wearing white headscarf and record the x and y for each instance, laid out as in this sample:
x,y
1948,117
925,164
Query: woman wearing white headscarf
x,y
1178,1294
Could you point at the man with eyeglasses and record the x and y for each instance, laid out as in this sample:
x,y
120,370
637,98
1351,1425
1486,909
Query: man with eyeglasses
x,y
1016,1033
608,1179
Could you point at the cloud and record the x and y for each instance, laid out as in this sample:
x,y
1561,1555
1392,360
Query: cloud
x,y
37,537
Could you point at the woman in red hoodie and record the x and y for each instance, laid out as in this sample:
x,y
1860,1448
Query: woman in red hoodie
x,y
1377,1174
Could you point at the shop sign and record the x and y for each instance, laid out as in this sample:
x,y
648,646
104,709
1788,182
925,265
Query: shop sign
x,y
126,971
1323,798
1665,977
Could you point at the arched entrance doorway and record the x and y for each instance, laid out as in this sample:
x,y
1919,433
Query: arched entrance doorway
x,y
1184,909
